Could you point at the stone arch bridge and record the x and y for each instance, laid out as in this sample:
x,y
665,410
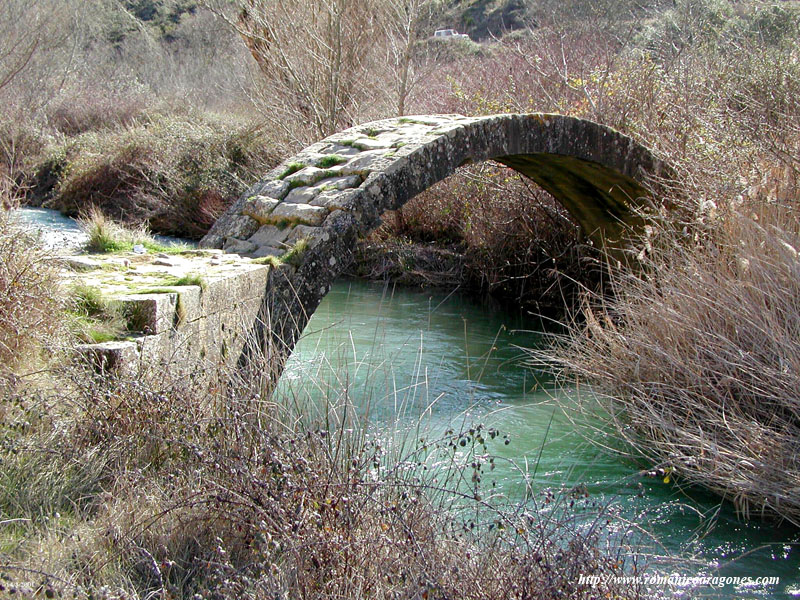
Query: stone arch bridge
x,y
309,211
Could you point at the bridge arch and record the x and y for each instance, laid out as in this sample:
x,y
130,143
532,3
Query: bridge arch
x,y
310,210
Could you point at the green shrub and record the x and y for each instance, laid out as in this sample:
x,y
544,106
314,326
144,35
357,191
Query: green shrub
x,y
94,317
107,236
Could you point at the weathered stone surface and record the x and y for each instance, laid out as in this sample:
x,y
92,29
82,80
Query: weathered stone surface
x,y
366,143
302,195
305,176
339,183
259,208
335,199
264,251
300,213
304,232
242,227
238,246
188,326
149,313
269,235
79,263
343,150
111,356
188,307
274,189
365,162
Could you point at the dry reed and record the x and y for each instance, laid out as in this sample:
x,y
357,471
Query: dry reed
x,y
697,359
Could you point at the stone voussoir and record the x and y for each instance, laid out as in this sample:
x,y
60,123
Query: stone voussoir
x,y
337,199
302,195
299,213
306,176
270,235
237,246
259,207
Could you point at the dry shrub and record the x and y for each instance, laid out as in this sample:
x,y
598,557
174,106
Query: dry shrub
x,y
176,171
29,296
161,486
700,357
88,109
487,229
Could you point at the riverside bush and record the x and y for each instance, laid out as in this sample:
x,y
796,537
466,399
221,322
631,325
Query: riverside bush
x,y
697,357
177,171
28,297
157,484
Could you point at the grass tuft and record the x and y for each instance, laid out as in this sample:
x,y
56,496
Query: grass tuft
x,y
108,237
331,161
94,317
188,279
295,253
290,169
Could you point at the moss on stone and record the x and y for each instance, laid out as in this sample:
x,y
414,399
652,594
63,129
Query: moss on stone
x,y
291,168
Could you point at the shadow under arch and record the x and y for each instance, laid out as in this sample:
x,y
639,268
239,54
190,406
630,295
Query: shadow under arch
x,y
310,210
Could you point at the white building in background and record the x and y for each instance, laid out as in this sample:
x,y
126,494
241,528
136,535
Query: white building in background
x,y
449,34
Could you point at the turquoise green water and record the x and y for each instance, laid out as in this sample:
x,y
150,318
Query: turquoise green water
x,y
409,357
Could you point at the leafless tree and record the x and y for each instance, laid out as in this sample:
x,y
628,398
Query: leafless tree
x,y
314,57
409,58
25,26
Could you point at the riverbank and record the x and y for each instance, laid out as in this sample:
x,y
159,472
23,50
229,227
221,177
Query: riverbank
x,y
201,501
155,483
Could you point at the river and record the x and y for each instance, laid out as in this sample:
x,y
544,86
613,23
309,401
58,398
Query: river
x,y
448,361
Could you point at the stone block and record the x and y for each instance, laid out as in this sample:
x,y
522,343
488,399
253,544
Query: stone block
x,y
342,150
305,176
149,313
275,189
265,251
230,287
111,356
302,195
188,308
339,183
259,208
269,235
336,200
237,246
175,347
367,143
312,234
300,213
241,226
364,162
